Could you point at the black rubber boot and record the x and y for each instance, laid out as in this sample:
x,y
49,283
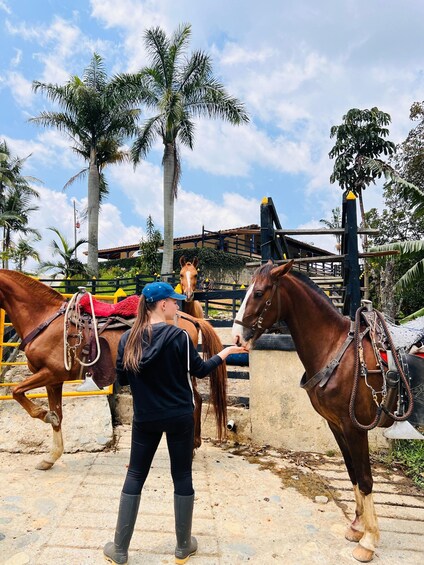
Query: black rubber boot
x,y
117,552
186,544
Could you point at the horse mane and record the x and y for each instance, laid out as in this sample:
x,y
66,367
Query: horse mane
x,y
34,285
265,270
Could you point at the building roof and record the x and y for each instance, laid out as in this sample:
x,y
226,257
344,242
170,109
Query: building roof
x,y
209,234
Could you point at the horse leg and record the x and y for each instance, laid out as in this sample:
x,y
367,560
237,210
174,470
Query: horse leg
x,y
197,416
52,416
356,529
357,441
39,379
54,394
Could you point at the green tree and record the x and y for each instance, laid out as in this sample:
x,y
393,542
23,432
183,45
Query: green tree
x,y
361,137
149,246
16,200
176,88
23,251
98,116
67,265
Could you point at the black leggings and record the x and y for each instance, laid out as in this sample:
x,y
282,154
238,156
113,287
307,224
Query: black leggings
x,y
144,443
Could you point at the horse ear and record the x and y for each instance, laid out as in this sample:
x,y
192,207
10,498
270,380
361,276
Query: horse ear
x,y
182,261
195,262
281,270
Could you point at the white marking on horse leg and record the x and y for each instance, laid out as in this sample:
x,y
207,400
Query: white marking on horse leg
x,y
358,523
54,454
237,329
57,447
355,531
372,535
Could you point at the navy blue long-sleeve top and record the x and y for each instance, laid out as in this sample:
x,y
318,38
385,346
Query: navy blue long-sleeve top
x,y
161,387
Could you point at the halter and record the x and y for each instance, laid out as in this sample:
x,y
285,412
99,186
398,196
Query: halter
x,y
258,324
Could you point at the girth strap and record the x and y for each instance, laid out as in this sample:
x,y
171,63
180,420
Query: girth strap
x,y
32,335
323,376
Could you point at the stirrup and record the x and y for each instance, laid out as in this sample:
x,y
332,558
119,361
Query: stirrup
x,y
402,430
88,385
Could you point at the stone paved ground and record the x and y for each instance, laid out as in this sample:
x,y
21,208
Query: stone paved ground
x,y
252,505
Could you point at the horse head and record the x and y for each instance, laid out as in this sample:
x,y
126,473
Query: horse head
x,y
262,306
188,277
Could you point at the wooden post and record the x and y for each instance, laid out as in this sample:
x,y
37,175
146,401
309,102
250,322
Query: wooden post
x,y
351,273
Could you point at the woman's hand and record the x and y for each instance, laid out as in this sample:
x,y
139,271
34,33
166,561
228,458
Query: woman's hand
x,y
230,350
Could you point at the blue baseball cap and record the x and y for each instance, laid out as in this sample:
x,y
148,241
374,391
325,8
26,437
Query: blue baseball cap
x,y
155,291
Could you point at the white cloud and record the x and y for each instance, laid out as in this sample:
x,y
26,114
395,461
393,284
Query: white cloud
x,y
5,7
17,58
222,149
20,87
56,210
144,189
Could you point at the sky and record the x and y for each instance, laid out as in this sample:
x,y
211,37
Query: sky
x,y
297,66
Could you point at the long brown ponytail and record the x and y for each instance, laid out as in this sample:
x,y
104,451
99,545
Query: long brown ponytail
x,y
134,346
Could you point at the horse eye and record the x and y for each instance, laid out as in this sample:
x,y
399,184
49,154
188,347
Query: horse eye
x,y
258,294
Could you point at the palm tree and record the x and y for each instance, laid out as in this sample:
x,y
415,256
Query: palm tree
x,y
23,251
68,265
98,116
177,89
16,197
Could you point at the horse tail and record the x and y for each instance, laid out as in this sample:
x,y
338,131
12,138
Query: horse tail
x,y
211,345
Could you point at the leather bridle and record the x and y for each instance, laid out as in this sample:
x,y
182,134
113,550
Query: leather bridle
x,y
257,325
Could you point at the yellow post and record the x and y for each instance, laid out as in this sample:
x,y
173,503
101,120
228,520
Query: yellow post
x,y
118,294
2,315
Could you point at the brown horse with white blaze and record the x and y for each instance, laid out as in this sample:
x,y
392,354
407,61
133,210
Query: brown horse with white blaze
x,y
188,282
319,332
31,305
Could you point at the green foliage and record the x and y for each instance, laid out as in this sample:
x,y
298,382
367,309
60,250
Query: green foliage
x,y
67,265
177,88
410,454
361,136
98,116
150,259
16,201
214,263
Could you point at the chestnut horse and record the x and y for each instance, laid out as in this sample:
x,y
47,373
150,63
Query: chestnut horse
x,y
320,333
30,304
188,282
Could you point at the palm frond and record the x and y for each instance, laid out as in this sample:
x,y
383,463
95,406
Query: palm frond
x,y
148,133
411,277
405,247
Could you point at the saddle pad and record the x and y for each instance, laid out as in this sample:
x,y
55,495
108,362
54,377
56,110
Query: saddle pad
x,y
127,308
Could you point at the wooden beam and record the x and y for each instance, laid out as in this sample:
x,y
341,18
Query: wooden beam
x,y
326,258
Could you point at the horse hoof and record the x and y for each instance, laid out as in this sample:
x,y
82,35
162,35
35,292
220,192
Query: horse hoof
x,y
362,554
353,535
52,418
44,465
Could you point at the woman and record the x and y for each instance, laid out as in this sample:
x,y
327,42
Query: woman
x,y
153,359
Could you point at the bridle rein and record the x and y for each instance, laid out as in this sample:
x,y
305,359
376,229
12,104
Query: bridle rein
x,y
257,325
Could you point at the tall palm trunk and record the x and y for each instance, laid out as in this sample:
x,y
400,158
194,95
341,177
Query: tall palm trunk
x,y
168,208
6,246
93,214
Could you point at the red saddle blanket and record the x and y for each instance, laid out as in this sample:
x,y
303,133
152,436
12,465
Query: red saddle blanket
x,y
127,308
384,355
